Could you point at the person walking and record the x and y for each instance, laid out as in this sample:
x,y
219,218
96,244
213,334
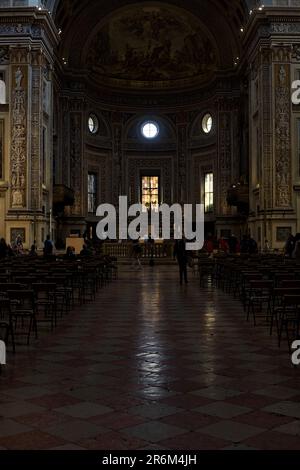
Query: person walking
x,y
181,255
151,244
136,255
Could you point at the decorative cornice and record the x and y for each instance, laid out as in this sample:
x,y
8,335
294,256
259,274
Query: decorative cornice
x,y
28,24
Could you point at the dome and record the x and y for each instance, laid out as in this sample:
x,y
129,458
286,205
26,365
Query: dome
x,y
151,45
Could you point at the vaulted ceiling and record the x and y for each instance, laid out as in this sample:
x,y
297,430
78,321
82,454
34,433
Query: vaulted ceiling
x,y
63,8
178,40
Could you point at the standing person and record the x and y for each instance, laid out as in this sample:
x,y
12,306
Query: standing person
x,y
209,244
181,255
18,245
223,245
267,247
253,248
151,243
3,249
48,247
296,252
290,246
232,243
136,254
244,246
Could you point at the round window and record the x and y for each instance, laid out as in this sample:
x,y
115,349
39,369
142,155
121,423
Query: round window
x,y
207,123
93,124
150,130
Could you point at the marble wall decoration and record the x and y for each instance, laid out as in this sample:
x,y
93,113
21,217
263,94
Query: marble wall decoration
x,y
76,161
282,135
18,158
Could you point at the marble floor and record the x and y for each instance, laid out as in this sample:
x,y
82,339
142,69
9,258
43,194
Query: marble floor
x,y
152,365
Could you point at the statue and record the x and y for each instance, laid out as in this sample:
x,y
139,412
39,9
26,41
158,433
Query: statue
x,y
17,199
282,75
19,77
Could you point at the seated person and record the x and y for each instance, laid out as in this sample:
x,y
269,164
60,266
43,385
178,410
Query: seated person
x,y
33,251
70,253
85,251
10,251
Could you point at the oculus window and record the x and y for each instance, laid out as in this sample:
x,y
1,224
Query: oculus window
x,y
207,123
93,124
150,130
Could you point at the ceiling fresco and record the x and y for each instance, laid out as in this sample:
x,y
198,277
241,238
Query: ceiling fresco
x,y
152,46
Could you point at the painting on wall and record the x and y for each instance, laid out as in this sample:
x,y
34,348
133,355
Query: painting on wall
x,y
152,43
15,232
282,233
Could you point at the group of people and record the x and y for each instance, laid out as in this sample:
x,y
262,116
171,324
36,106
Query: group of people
x,y
17,249
232,245
180,254
9,250
5,249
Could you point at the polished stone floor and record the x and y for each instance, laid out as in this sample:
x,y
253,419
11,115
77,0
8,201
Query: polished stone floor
x,y
152,365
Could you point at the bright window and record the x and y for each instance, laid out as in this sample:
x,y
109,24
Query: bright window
x,y
150,192
93,124
207,123
92,193
150,130
209,192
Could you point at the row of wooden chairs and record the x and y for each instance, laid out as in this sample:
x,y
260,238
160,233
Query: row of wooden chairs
x,y
38,292
269,290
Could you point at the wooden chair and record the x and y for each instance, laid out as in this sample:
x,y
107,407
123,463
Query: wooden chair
x,y
23,308
6,325
45,303
277,304
290,319
259,294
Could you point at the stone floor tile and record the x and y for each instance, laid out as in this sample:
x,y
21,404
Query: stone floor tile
x,y
231,431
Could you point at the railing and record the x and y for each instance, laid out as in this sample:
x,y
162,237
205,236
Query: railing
x,y
124,250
